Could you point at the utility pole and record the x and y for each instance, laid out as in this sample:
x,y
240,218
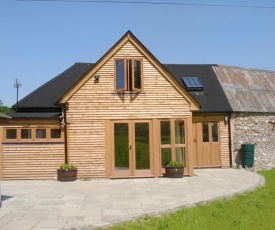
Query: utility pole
x,y
17,85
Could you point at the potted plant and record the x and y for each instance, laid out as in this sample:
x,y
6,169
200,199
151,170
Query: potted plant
x,y
67,172
174,169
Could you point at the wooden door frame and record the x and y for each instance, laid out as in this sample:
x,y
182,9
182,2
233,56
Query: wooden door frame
x,y
132,172
199,139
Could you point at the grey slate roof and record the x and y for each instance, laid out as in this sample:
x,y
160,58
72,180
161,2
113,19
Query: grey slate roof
x,y
214,99
248,90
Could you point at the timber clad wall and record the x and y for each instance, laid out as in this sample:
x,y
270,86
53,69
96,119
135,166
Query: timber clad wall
x,y
224,142
27,159
94,103
223,135
32,161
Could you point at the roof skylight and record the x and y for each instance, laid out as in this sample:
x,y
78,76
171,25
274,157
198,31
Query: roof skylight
x,y
192,83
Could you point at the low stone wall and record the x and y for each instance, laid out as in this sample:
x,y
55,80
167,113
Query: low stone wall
x,y
254,128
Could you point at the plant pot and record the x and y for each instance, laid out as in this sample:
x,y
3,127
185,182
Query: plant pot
x,y
174,172
66,174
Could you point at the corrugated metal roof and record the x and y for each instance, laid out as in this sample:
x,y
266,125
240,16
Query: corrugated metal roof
x,y
213,99
248,90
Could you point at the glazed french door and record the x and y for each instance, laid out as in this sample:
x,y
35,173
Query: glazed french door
x,y
131,148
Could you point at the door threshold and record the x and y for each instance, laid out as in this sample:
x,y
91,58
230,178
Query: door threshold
x,y
130,177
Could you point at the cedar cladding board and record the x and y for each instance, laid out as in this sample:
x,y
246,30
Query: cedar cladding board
x,y
31,161
94,103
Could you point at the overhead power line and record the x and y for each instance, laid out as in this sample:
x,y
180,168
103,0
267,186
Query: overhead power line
x,y
153,3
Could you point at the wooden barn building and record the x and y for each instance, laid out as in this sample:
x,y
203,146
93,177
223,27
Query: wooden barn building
x,y
124,116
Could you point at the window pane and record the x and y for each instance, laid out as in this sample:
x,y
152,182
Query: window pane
x,y
55,133
137,74
121,146
205,132
215,137
120,84
165,157
11,134
180,155
142,146
179,132
40,133
26,133
165,132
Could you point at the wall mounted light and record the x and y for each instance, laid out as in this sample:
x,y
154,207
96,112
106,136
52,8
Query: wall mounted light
x,y
226,118
97,78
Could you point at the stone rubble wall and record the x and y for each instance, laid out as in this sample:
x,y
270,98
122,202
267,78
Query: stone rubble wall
x,y
254,128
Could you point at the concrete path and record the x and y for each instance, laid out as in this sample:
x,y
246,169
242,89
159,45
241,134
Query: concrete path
x,y
49,205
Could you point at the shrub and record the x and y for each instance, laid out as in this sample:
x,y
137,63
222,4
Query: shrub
x,y
67,166
174,164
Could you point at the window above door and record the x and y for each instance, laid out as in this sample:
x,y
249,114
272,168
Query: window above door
x,y
128,75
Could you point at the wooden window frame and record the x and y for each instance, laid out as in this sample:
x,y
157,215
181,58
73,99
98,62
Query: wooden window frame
x,y
125,75
41,129
173,144
129,75
210,131
33,138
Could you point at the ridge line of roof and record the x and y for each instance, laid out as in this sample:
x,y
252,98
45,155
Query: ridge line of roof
x,y
84,63
246,68
192,64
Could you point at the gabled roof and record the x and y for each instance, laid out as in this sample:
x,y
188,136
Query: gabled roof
x,y
41,102
129,37
213,98
248,90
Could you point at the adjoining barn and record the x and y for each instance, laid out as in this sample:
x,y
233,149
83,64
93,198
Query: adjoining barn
x,y
251,94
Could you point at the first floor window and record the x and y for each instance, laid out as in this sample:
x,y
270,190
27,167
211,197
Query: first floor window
x,y
128,75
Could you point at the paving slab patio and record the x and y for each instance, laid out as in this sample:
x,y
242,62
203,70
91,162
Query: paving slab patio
x,y
41,205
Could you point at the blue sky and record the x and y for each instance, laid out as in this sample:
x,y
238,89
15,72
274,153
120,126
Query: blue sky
x,y
41,39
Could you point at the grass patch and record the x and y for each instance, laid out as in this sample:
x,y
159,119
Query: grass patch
x,y
252,210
